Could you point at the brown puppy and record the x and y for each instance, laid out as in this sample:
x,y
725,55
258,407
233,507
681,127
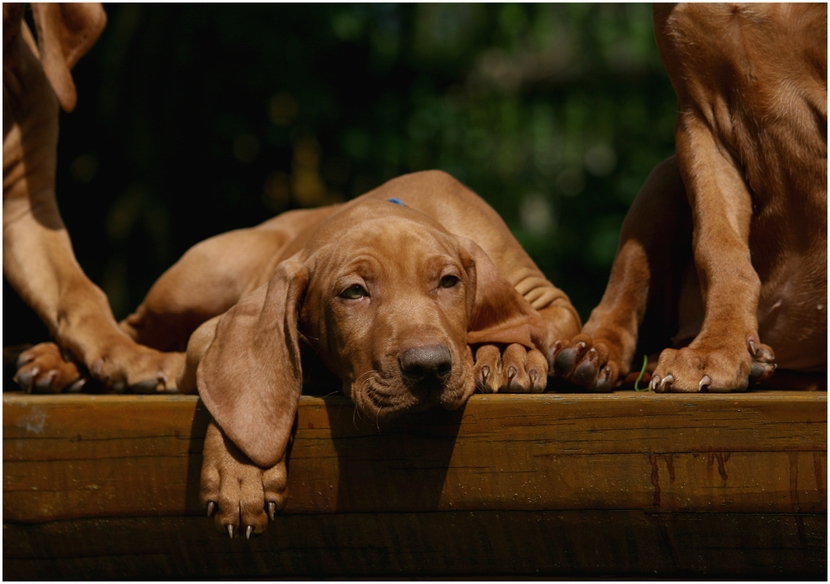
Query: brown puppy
x,y
38,260
411,306
413,295
726,244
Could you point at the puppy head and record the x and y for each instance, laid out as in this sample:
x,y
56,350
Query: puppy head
x,y
387,308
387,298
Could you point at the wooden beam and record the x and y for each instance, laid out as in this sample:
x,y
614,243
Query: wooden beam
x,y
558,484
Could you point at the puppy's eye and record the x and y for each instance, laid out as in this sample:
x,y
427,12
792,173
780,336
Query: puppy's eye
x,y
355,292
449,281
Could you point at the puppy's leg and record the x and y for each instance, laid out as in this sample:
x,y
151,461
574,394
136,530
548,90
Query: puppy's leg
x,y
45,369
206,281
239,495
641,290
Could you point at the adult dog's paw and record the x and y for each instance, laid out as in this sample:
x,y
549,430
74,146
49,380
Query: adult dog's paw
x,y
512,369
715,367
45,369
123,365
240,496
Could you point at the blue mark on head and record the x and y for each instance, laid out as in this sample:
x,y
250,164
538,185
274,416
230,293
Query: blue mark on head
x,y
397,201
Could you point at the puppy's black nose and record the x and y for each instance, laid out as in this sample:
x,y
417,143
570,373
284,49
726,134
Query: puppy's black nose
x,y
426,363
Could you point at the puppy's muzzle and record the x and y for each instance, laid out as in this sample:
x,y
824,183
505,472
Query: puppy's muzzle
x,y
426,365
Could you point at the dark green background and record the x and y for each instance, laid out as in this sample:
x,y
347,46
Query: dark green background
x,y
196,119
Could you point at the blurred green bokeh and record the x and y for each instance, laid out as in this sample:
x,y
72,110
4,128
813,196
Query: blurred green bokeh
x,y
196,119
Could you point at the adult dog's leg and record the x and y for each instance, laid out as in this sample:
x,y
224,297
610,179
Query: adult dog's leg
x,y
727,353
39,263
38,259
636,308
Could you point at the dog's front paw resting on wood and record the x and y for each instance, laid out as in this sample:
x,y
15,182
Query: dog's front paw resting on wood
x,y
240,496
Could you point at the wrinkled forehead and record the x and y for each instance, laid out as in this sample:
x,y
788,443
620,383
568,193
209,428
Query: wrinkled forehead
x,y
379,223
400,235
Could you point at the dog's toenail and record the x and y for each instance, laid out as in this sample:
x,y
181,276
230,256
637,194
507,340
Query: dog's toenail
x,y
77,386
705,382
230,531
211,507
146,386
249,531
272,509
45,384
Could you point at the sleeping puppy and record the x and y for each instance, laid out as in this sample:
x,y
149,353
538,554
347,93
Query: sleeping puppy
x,y
413,295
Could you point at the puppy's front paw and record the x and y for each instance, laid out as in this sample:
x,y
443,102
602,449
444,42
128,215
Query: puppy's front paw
x,y
714,367
44,369
586,363
240,496
514,370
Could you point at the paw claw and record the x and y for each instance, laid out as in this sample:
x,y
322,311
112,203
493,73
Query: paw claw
x,y
533,376
77,387
230,530
24,380
272,510
603,380
44,384
760,371
704,384
249,531
211,507
586,372
566,360
146,386
24,359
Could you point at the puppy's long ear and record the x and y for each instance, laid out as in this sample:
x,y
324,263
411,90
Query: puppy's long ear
x,y
65,32
250,377
498,313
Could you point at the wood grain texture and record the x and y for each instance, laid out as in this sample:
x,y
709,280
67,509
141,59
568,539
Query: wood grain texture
x,y
557,484
435,544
